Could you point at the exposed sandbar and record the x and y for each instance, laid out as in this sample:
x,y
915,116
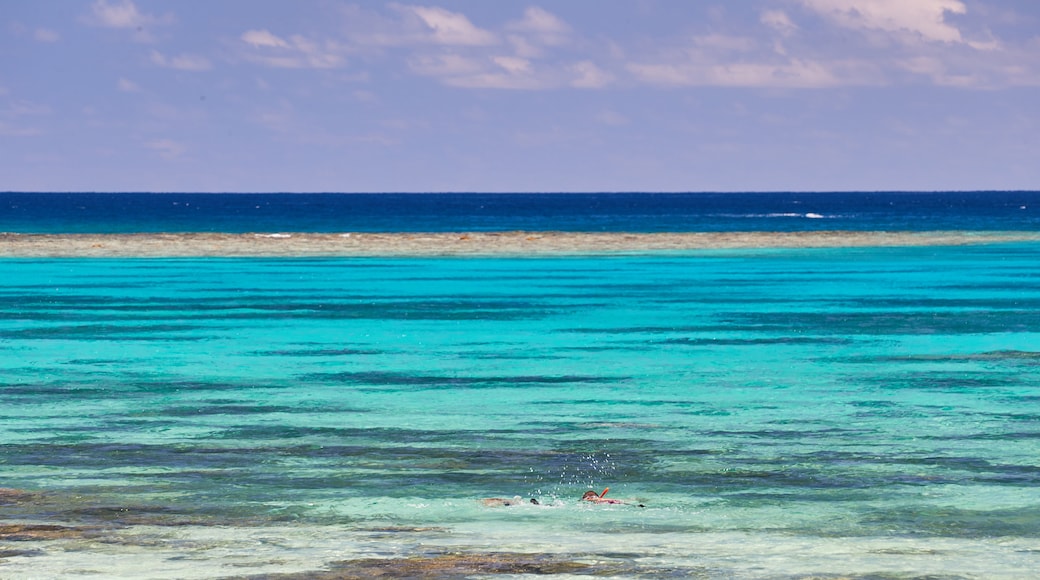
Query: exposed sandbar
x,y
463,244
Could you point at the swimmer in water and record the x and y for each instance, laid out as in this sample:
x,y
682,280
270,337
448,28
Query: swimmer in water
x,y
506,502
598,497
592,496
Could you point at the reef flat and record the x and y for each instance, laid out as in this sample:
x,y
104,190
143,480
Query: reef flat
x,y
515,243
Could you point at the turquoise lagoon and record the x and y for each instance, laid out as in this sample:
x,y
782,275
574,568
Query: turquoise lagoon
x,y
849,412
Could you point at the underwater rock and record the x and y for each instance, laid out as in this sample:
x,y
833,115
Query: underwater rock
x,y
10,496
34,532
454,565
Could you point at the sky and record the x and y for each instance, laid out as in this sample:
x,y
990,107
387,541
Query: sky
x,y
504,95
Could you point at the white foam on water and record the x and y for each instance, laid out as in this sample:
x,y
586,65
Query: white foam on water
x,y
809,215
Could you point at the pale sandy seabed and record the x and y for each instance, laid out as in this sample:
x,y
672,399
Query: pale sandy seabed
x,y
503,549
464,244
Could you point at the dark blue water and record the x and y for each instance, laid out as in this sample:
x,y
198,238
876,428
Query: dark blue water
x,y
613,212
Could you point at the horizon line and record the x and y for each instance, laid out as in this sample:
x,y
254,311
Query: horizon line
x,y
529,192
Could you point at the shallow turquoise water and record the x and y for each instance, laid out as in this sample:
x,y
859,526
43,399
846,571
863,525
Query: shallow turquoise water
x,y
778,412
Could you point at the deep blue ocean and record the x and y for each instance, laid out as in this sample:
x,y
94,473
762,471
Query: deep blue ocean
x,y
764,413
608,212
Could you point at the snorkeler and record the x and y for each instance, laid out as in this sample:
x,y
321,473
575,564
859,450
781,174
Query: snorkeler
x,y
594,497
504,502
598,497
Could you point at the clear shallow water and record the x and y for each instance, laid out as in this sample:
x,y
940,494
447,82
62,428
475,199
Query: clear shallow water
x,y
780,413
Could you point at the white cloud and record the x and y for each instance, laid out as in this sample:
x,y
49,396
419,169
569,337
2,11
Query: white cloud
x,y
538,20
991,44
128,86
793,74
450,28
498,72
498,80
545,27
46,35
524,47
445,65
123,14
781,45
513,65
589,76
938,72
739,60
768,48
972,69
166,148
923,18
537,31
473,72
725,42
779,21
185,62
417,26
263,38
527,63
506,72
295,52
898,41
513,55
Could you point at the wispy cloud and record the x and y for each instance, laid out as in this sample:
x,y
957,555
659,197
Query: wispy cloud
x,y
440,44
792,44
263,38
446,65
538,30
449,28
23,108
520,54
739,60
493,72
589,76
16,118
167,148
793,74
185,62
297,51
915,20
46,35
880,43
127,86
124,14
540,21
779,21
